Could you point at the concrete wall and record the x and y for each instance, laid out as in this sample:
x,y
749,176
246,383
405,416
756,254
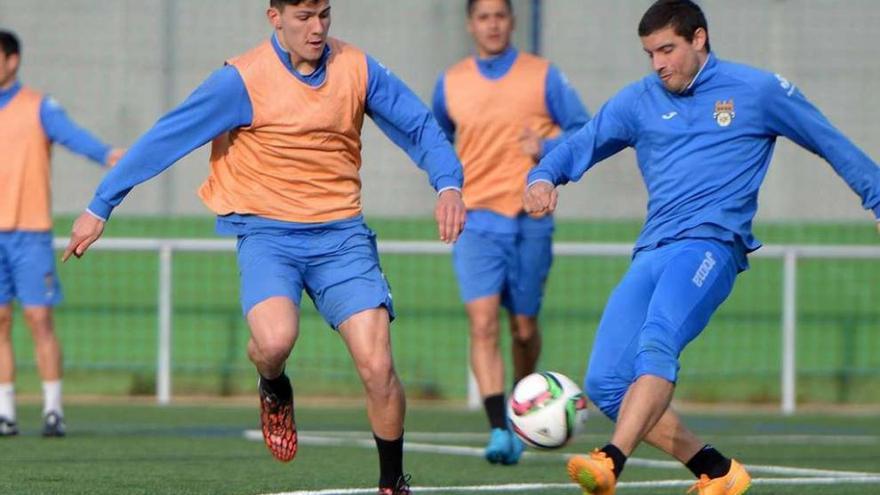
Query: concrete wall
x,y
117,66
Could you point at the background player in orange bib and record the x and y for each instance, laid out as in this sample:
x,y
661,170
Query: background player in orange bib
x,y
504,110
29,124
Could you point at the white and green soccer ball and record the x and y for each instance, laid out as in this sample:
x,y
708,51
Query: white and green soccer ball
x,y
547,409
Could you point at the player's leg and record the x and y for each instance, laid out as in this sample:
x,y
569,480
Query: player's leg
x,y
483,262
8,426
610,370
351,293
271,289
38,289
534,256
697,277
525,345
368,338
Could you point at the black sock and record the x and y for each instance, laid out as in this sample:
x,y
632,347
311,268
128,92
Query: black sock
x,y
617,456
710,462
390,461
494,405
278,386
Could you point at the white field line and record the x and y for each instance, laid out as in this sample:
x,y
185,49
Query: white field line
x,y
460,450
428,436
626,485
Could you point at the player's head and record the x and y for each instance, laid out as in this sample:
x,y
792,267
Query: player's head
x,y
10,58
491,24
675,35
302,27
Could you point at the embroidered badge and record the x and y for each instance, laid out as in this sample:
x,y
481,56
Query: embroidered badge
x,y
724,113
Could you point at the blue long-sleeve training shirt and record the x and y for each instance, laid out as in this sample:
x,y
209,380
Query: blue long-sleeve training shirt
x,y
704,153
221,104
565,108
59,128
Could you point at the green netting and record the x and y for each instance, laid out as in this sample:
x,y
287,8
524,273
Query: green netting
x,y
108,322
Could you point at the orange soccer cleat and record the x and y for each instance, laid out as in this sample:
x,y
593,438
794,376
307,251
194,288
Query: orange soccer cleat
x,y
736,482
595,474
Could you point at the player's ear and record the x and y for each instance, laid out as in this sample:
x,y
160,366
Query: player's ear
x,y
274,16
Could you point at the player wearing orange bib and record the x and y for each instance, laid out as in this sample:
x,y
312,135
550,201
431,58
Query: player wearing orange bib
x,y
285,119
504,109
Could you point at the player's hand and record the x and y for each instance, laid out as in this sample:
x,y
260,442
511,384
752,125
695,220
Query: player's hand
x,y
530,141
86,230
114,156
540,199
450,214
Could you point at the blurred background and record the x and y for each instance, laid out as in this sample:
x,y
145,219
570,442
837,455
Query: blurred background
x,y
118,66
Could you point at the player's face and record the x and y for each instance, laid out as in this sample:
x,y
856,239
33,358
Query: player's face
x,y
302,30
8,68
675,59
491,24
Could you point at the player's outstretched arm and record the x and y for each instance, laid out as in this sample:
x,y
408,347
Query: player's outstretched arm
x,y
540,199
86,230
450,214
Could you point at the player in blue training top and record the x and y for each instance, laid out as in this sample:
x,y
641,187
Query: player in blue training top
x,y
704,131
30,123
504,110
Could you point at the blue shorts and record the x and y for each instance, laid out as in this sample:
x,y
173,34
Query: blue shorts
x,y
337,264
663,302
515,266
27,269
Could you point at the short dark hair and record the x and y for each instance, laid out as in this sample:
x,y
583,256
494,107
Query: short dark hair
x,y
280,4
684,16
9,43
471,3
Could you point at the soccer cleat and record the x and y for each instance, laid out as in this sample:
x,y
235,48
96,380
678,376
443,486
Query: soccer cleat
x,y
53,425
279,428
504,447
400,488
595,474
516,450
8,428
736,482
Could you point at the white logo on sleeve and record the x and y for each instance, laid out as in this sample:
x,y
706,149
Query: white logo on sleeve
x,y
704,269
668,116
786,85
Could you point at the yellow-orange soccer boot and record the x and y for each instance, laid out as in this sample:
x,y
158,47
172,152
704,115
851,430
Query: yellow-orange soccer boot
x,y
736,482
595,474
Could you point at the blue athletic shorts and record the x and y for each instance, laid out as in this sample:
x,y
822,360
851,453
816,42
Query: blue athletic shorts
x,y
515,266
27,269
337,264
664,301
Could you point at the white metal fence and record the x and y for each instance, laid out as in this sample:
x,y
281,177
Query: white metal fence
x,y
790,254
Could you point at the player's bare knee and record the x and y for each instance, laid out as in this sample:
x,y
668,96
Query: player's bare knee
x,y
270,350
377,374
485,330
40,323
524,329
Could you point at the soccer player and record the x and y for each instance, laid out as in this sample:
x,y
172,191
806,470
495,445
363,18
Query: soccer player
x,y
285,119
703,130
29,124
504,110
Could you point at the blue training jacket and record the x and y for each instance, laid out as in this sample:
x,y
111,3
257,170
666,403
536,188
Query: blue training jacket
x,y
703,153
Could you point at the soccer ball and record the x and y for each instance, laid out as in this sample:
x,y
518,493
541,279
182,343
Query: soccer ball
x,y
547,409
